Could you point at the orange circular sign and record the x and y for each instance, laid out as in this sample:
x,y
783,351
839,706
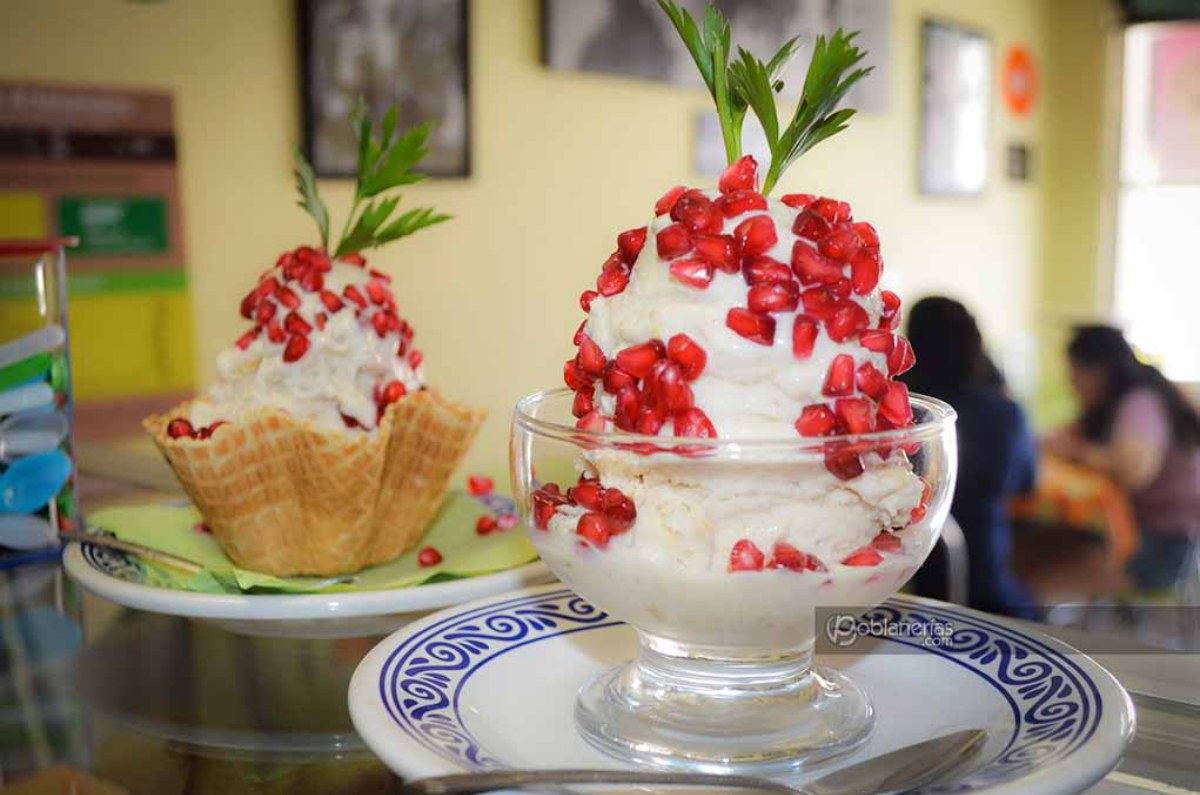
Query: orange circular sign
x,y
1019,80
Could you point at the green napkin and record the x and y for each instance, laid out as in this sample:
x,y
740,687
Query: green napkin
x,y
171,528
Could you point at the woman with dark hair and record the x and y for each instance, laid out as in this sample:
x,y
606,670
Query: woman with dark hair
x,y
1139,429
996,456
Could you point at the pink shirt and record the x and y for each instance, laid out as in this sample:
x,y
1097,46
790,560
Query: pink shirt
x,y
1170,503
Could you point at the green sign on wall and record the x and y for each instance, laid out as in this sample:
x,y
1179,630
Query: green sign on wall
x,y
115,224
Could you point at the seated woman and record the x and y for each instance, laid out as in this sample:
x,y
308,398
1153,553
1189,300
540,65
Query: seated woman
x,y
1137,428
996,457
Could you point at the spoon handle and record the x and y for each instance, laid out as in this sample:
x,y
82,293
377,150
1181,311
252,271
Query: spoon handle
x,y
477,783
136,549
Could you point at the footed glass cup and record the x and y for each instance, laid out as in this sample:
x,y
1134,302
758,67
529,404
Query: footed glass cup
x,y
718,552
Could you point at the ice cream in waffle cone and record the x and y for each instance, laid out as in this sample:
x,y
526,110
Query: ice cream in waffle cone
x,y
319,450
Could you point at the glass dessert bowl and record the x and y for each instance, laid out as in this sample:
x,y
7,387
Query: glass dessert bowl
x,y
718,551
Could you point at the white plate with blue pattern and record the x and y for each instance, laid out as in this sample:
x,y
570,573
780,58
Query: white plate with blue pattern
x,y
492,684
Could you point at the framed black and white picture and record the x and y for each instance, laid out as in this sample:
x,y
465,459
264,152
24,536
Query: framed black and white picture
x,y
407,52
956,81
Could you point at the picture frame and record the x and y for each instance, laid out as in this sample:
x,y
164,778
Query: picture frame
x,y
956,98
414,53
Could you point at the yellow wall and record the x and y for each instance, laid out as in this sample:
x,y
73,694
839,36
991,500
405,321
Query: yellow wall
x,y
562,163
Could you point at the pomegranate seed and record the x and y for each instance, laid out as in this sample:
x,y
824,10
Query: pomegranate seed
x,y
506,521
577,338
756,328
294,324
696,212
615,378
746,556
284,259
786,556
878,341
610,283
843,464
265,311
376,292
650,422
415,358
295,349
798,201
429,557
545,503
695,423
353,259
856,413
287,296
686,353
891,311
250,336
718,250
179,427
741,175
812,267
865,269
618,510
630,243
380,275
901,358
887,542
275,332
574,376
321,262
591,358
755,236
627,409
841,243
864,556
870,381
810,226
594,423
894,407
820,302
667,389
393,391
740,202
867,234
380,322
583,404
593,528
840,380
847,322
694,272
331,301
831,210
480,485
840,289
586,298
294,269
760,270
312,281
204,433
249,305
664,205
816,420
672,241
638,359
804,336
774,297
919,512
352,294
485,525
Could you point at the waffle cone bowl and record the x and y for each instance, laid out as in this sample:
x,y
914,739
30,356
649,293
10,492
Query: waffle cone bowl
x,y
285,498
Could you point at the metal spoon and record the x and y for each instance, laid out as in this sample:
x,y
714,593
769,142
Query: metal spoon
x,y
896,771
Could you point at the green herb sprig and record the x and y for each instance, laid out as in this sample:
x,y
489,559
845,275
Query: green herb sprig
x,y
385,162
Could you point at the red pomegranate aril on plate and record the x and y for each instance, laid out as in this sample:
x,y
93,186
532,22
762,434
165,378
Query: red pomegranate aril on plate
x,y
275,332
740,202
692,272
376,292
615,378
295,349
610,283
870,381
583,404
760,270
804,336
742,174
813,267
901,358
843,464
863,556
695,423
774,297
179,428
294,324
673,240
887,542
877,341
594,529
839,382
841,243
429,556
664,204
865,269
638,359
650,422
755,236
786,556
352,294
890,319
630,243
574,376
746,556
816,420
754,327
485,524
243,342
718,250
591,358
894,407
856,413
480,485
688,354
797,201
594,422
586,298
847,321
810,226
